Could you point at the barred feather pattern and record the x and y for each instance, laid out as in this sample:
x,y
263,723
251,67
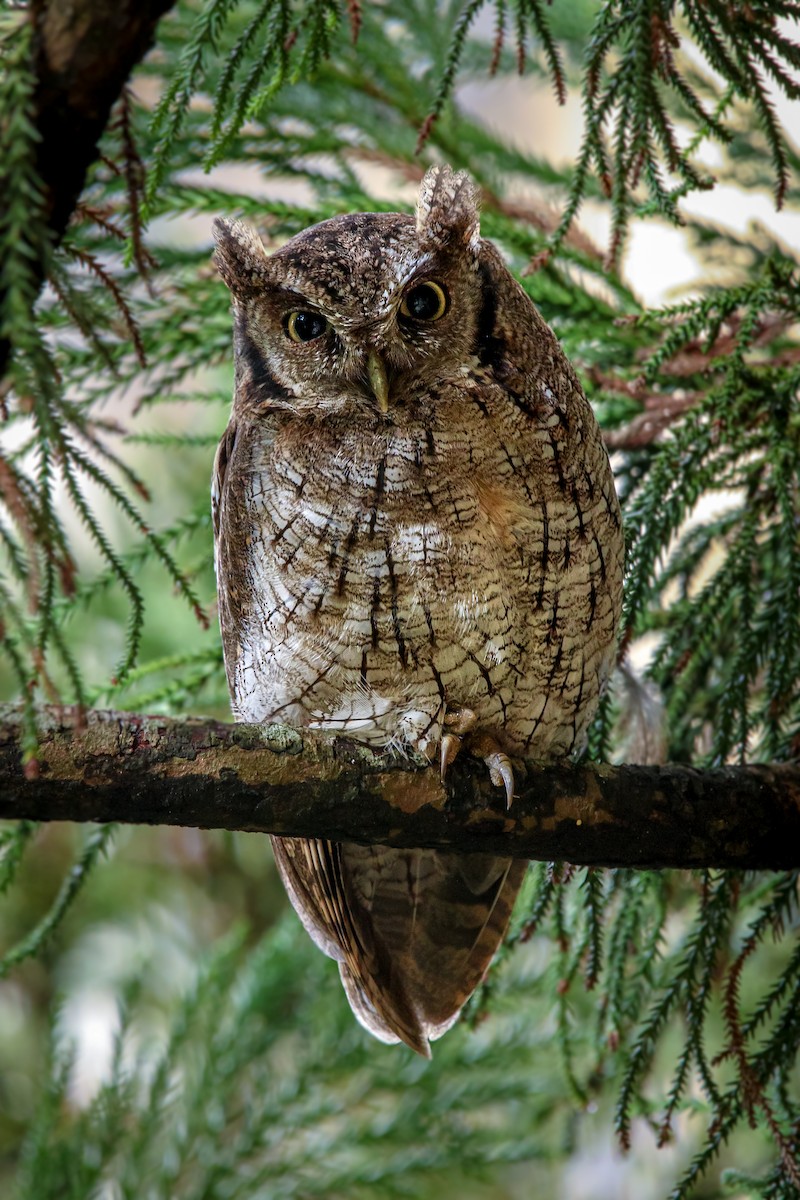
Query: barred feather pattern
x,y
385,563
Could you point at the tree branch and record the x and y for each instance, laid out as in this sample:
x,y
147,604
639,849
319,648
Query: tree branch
x,y
272,779
84,52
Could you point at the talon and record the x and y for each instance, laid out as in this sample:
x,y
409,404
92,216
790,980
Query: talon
x,y
501,770
501,773
448,749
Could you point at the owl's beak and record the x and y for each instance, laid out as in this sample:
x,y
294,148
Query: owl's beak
x,y
378,380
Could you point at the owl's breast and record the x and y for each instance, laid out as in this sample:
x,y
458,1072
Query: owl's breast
x,y
392,572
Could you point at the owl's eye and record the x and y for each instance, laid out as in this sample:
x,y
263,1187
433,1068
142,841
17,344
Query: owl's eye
x,y
305,326
424,302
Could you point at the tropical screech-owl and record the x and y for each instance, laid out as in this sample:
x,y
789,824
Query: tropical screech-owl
x,y
418,544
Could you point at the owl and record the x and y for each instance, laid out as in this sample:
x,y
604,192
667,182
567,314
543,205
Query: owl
x,y
418,545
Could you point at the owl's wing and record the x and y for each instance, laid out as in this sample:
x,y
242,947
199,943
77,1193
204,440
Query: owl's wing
x,y
218,475
413,930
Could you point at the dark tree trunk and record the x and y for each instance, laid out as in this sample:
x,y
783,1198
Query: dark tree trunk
x,y
83,54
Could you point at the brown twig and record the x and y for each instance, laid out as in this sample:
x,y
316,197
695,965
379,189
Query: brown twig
x,y
356,17
108,281
661,409
21,506
752,1088
134,172
659,414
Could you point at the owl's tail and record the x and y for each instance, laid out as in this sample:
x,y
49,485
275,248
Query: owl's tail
x,y
413,931
436,921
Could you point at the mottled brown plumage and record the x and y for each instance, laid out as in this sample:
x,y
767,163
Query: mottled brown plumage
x,y
419,545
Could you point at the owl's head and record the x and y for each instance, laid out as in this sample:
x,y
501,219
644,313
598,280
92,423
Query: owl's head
x,y
364,311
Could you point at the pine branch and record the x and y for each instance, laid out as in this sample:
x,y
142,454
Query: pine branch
x,y
83,54
271,779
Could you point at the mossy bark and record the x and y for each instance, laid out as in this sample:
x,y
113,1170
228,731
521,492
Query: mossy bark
x,y
153,770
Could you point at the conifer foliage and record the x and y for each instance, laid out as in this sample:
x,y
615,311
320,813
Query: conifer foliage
x,y
674,998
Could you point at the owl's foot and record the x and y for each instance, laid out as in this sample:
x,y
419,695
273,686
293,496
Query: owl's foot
x,y
457,721
462,721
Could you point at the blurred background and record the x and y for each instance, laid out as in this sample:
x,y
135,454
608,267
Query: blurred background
x,y
177,1035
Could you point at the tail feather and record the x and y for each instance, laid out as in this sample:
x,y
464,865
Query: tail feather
x,y
414,931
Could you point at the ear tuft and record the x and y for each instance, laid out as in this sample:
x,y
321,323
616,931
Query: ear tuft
x,y
240,257
447,210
